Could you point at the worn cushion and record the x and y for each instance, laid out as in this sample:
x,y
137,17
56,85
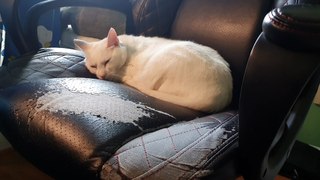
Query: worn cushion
x,y
186,150
83,122
80,121
90,127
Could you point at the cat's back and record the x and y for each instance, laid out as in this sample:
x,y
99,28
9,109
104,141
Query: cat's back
x,y
182,72
163,49
192,53
143,41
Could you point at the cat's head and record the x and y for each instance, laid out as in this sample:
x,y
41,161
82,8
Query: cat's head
x,y
105,57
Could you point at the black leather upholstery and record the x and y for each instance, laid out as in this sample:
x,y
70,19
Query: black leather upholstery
x,y
292,70
146,12
220,30
198,149
300,33
87,118
47,63
73,126
43,106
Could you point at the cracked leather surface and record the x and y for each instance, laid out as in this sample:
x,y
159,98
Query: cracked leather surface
x,y
187,150
84,122
81,121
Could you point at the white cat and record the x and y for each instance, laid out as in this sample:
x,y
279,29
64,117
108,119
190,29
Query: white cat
x,y
180,72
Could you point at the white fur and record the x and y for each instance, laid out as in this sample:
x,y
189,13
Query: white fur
x,y
180,72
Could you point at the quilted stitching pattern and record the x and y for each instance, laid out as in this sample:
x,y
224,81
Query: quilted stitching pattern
x,y
46,64
187,150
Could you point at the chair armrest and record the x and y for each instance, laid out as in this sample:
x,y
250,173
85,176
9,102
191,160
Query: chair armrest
x,y
280,82
294,26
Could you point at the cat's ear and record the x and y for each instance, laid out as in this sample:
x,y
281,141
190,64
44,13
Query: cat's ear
x,y
83,45
113,39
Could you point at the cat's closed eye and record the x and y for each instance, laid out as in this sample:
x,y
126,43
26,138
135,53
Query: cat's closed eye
x,y
106,62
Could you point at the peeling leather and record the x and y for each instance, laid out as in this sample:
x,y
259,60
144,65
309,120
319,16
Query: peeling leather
x,y
59,117
189,150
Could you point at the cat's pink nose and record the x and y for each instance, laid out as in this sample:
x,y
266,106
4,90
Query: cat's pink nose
x,y
101,75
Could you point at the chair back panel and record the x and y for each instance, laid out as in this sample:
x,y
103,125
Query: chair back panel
x,y
229,26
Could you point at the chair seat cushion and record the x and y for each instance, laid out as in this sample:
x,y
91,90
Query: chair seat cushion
x,y
47,63
79,123
80,127
81,119
187,150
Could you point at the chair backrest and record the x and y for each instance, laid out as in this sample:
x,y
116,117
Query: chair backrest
x,y
230,26
154,17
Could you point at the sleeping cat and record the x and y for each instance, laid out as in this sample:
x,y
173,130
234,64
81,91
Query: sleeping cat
x,y
180,72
